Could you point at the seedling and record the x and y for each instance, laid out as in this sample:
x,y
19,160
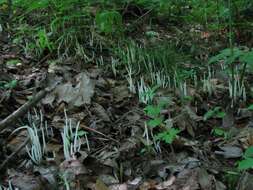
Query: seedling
x,y
237,89
155,120
230,56
250,107
219,132
207,83
214,113
129,78
168,136
71,139
247,162
160,79
37,148
146,93
8,85
109,22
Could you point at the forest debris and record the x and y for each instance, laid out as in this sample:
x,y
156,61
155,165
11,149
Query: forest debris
x,y
219,185
100,185
72,168
101,112
119,187
228,120
22,110
187,120
73,95
49,173
167,183
204,179
27,181
108,179
229,151
14,153
120,93
245,182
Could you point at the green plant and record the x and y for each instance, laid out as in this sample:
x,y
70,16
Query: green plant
x,y
43,41
208,85
13,62
146,93
214,113
232,178
219,132
71,137
8,85
109,22
154,114
236,89
37,128
168,136
247,162
231,57
156,120
250,107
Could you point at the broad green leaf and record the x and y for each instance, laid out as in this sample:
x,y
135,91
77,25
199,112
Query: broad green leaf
x,y
249,152
245,164
152,111
218,132
109,21
11,84
81,133
216,58
250,107
220,114
155,122
247,57
208,114
214,113
168,136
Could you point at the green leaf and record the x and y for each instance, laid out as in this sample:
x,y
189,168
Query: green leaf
x,y
250,107
249,152
11,84
152,111
155,122
109,21
13,62
81,133
220,114
216,58
247,57
168,136
214,113
219,132
208,114
227,55
245,164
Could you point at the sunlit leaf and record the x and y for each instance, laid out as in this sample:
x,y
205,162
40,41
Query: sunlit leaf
x,y
249,152
245,164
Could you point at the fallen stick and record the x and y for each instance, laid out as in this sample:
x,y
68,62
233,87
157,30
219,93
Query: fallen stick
x,y
14,153
22,110
98,132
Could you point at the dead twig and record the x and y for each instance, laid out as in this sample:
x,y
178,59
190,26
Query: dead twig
x,y
95,131
22,110
14,153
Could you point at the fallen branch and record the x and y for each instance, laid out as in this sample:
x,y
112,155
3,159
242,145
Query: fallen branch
x,y
22,110
14,153
98,132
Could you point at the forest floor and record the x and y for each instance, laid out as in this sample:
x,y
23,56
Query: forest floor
x,y
109,144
